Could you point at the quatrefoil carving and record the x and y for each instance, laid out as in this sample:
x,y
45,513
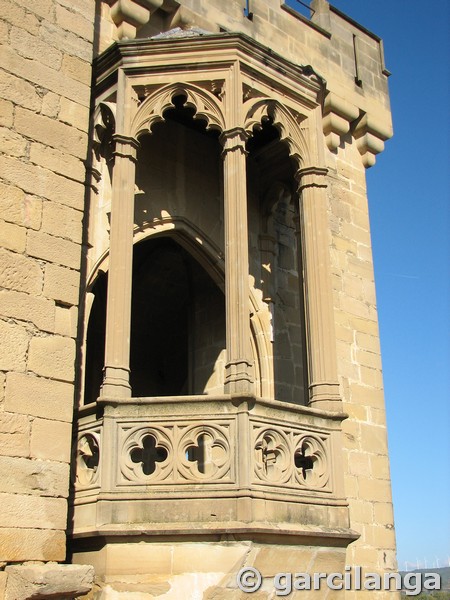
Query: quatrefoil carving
x,y
88,458
147,454
310,459
272,460
204,453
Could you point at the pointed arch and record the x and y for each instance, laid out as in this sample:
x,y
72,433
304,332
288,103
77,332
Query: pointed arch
x,y
210,257
293,129
151,111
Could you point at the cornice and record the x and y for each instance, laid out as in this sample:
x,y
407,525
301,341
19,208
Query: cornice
x,y
131,54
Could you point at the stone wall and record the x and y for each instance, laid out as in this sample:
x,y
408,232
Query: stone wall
x,y
44,106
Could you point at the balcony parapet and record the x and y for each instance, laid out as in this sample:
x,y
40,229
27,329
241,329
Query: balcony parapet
x,y
209,465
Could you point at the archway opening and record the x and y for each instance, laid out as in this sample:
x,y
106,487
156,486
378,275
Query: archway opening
x,y
275,257
177,324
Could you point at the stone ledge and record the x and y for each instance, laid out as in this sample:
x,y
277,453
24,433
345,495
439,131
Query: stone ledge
x,y
49,580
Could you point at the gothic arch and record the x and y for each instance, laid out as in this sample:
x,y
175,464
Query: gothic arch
x,y
210,257
294,131
151,111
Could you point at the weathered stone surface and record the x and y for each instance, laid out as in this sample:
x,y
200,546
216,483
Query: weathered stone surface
x,y
42,182
48,581
66,321
53,357
37,477
50,440
20,273
29,512
17,544
76,68
60,162
19,91
39,311
42,75
6,113
62,221
14,435
56,250
18,208
39,397
12,143
31,46
51,132
61,284
14,346
12,236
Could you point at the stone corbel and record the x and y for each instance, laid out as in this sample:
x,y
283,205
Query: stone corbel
x,y
130,15
370,137
338,114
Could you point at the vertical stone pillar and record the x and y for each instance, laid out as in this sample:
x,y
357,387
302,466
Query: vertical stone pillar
x,y
116,382
323,380
238,370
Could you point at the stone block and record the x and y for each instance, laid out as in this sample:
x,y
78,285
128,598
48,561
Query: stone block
x,y
77,69
376,490
383,513
74,114
274,559
62,221
24,511
39,397
380,467
371,377
58,161
39,477
17,545
50,104
66,319
16,207
12,143
51,440
42,8
42,182
365,395
36,72
14,346
61,284
57,250
31,46
75,23
52,356
12,237
19,91
48,581
72,43
16,15
39,311
51,132
14,435
6,113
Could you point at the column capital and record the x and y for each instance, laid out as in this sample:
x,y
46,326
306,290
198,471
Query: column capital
x,y
234,139
311,177
125,146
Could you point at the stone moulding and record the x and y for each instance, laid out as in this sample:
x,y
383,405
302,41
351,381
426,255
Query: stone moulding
x,y
239,463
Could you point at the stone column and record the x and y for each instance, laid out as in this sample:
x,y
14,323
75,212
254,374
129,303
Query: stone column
x,y
238,370
116,382
322,362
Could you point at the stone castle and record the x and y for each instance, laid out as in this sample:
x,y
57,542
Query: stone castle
x,y
190,366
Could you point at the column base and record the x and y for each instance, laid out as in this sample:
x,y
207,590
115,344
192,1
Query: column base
x,y
238,377
325,396
116,383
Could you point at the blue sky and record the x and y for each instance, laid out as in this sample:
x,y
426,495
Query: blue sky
x,y
410,217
